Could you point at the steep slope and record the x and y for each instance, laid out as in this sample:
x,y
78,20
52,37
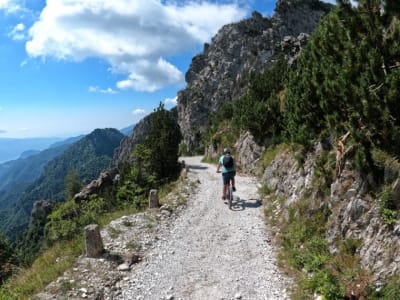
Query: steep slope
x,y
220,74
26,170
89,156
17,175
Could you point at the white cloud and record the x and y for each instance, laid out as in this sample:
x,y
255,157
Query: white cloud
x,y
17,33
354,3
172,101
96,89
135,37
10,6
139,111
3,131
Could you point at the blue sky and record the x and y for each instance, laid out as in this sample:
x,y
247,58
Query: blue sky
x,y
70,66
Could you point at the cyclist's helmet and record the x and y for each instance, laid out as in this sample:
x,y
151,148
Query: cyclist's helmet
x,y
226,151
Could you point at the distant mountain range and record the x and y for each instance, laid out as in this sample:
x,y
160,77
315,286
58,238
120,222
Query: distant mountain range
x,y
13,148
41,176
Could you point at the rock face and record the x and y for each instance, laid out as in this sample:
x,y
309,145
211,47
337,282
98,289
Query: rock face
x,y
41,209
355,213
219,74
105,180
249,152
122,154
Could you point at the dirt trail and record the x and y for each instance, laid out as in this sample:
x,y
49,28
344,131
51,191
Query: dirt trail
x,y
211,252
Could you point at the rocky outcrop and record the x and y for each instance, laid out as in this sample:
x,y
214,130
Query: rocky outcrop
x,y
358,217
293,17
248,152
122,154
106,179
220,73
355,213
41,209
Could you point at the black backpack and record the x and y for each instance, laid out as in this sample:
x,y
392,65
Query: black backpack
x,y
228,161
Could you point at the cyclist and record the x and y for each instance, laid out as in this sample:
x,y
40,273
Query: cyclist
x,y
227,163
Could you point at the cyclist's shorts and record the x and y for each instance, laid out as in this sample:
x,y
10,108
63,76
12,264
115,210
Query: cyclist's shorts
x,y
226,177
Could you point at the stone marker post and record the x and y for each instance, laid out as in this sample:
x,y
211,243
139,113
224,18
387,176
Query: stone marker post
x,y
153,199
94,243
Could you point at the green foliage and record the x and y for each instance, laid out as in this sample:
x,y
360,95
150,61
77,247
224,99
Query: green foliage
x,y
389,291
325,284
388,206
304,237
7,260
306,249
72,185
323,171
260,111
63,224
348,79
162,142
219,127
269,154
45,269
68,220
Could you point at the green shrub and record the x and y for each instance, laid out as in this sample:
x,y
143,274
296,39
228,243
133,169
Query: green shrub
x,y
388,207
325,284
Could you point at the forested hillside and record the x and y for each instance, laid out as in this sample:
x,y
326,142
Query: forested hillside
x,y
87,157
16,173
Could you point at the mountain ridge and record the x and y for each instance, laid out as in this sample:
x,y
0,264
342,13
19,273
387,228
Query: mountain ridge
x,y
89,156
220,74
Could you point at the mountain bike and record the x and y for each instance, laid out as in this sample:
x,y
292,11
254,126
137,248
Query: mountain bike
x,y
229,192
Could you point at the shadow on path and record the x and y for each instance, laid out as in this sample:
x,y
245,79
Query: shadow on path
x,y
197,167
241,204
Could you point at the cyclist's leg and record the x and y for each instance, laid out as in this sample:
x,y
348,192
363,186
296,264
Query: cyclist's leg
x,y
225,182
224,190
233,182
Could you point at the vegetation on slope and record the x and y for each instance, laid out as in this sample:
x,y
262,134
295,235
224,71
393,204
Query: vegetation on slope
x,y
347,79
89,156
64,229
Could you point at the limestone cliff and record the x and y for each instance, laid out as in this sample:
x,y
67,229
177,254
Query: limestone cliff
x,y
220,73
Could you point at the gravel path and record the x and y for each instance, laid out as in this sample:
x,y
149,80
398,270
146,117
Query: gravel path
x,y
211,252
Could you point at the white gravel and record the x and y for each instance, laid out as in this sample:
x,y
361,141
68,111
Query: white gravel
x,y
211,252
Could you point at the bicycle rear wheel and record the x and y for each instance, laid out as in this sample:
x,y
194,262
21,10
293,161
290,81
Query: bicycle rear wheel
x,y
230,196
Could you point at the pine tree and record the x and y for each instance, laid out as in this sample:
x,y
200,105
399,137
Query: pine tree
x,y
163,140
348,79
72,185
